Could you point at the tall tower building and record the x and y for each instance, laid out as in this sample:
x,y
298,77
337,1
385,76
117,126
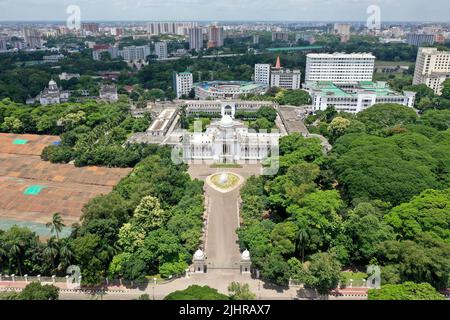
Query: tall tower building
x,y
215,36
262,73
432,68
343,30
339,67
3,46
195,38
183,83
280,36
161,50
32,38
415,39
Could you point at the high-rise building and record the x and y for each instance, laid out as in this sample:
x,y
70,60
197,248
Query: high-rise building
x,y
135,53
255,39
183,82
195,38
215,36
432,68
156,28
284,78
343,30
339,67
91,27
3,46
280,36
32,38
416,39
161,50
262,73
98,49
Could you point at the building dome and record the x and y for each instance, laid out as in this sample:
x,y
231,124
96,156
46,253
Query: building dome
x,y
199,255
226,121
52,86
245,255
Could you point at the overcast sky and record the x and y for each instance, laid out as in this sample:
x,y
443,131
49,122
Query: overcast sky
x,y
279,10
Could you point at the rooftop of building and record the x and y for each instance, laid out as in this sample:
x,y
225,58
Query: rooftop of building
x,y
381,89
364,55
223,85
108,89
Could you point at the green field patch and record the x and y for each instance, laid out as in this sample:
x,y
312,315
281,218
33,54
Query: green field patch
x,y
33,190
20,141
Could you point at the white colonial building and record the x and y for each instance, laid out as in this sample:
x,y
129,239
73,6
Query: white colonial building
x,y
355,97
52,94
228,141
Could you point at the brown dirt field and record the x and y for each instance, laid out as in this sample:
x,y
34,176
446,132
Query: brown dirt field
x,y
66,188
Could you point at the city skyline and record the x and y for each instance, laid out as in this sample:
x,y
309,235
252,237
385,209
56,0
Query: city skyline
x,y
233,10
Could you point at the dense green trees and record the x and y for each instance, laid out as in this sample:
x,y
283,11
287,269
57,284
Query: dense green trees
x,y
91,133
392,169
384,116
428,212
283,97
195,292
323,273
380,195
33,291
405,291
239,291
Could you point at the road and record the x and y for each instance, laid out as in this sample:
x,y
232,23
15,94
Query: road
x,y
222,249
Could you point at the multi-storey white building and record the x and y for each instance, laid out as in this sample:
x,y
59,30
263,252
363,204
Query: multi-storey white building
x,y
432,68
183,82
226,107
262,73
339,67
284,78
195,38
135,53
161,50
355,97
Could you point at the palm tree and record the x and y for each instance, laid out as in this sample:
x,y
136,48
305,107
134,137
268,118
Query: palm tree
x,y
14,251
302,239
56,224
66,254
51,251
3,253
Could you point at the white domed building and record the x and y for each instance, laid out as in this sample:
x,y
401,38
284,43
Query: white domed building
x,y
199,261
246,262
228,141
52,94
